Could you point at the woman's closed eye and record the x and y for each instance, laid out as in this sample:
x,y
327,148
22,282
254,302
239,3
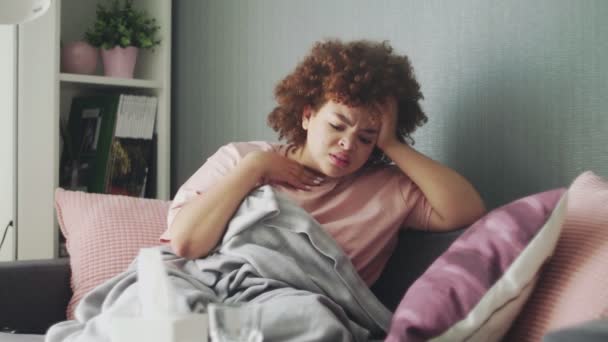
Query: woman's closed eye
x,y
366,141
337,127
363,139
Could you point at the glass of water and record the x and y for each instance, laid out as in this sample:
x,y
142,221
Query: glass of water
x,y
235,322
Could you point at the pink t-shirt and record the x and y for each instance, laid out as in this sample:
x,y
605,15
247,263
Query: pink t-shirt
x,y
363,212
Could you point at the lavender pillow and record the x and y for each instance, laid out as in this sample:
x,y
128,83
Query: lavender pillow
x,y
475,289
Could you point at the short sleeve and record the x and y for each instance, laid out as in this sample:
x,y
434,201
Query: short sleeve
x,y
216,166
419,207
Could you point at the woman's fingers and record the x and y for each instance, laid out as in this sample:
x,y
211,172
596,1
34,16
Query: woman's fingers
x,y
309,177
297,183
285,171
301,180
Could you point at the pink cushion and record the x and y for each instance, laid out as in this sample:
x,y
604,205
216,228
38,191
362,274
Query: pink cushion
x,y
478,285
104,233
573,288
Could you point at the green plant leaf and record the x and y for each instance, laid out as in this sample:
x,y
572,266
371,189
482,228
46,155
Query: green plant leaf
x,y
118,23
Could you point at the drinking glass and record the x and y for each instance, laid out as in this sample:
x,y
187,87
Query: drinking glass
x,y
235,322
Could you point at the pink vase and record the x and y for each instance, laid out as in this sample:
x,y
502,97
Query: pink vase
x,y
119,62
79,58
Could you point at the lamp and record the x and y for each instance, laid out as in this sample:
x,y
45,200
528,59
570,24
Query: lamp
x,y
13,12
20,11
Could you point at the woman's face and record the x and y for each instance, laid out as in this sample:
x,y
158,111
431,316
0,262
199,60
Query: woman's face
x,y
339,138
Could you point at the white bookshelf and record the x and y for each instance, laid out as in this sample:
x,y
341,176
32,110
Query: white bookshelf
x,y
44,98
98,80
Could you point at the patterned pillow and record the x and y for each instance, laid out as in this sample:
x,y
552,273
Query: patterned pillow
x,y
573,288
475,289
104,234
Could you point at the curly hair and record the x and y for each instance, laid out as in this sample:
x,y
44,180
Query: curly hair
x,y
357,74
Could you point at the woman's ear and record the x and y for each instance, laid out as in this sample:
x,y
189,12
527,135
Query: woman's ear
x,y
306,114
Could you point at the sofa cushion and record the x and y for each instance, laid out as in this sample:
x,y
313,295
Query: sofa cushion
x,y
574,286
475,289
4,337
592,331
416,250
33,286
104,234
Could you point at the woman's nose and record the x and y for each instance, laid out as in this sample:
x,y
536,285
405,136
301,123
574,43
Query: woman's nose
x,y
346,143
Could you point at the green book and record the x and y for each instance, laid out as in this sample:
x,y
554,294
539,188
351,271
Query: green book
x,y
91,126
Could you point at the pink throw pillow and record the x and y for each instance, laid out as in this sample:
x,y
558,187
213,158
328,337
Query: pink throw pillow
x,y
104,234
474,290
573,288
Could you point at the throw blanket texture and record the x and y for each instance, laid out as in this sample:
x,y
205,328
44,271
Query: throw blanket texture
x,y
273,253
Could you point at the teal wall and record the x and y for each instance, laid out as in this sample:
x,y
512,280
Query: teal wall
x,y
516,91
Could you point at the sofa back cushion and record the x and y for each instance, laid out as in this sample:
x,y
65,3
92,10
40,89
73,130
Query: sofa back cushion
x,y
104,234
416,250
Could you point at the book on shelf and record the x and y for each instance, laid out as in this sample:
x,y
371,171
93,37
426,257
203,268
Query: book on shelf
x,y
109,145
129,167
133,150
87,141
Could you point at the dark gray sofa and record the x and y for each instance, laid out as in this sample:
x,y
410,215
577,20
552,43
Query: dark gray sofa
x,y
34,294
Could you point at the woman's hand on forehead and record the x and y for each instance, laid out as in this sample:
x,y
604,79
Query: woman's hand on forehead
x,y
388,126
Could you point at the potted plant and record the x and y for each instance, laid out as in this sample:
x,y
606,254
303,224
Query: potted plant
x,y
120,31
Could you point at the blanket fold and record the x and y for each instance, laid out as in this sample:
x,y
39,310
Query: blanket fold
x,y
273,253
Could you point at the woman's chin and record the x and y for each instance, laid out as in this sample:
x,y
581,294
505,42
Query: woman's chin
x,y
332,171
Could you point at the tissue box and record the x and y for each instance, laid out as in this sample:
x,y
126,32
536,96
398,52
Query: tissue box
x,y
183,328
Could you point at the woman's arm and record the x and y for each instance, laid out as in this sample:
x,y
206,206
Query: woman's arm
x,y
200,224
454,200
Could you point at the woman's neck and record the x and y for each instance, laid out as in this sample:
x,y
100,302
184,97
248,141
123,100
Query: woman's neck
x,y
300,155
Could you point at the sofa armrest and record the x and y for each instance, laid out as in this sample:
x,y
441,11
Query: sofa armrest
x,y
415,252
33,294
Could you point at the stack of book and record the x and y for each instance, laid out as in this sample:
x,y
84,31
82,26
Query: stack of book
x,y
109,145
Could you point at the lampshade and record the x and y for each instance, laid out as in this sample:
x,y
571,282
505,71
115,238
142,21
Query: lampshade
x,y
21,11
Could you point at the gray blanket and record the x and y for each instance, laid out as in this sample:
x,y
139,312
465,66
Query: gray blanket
x,y
273,253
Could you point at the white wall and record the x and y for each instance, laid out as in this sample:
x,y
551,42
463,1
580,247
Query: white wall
x,y
7,125
515,91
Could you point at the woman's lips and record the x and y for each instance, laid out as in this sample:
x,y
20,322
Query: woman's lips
x,y
339,161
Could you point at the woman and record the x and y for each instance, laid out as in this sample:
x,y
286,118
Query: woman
x,y
347,112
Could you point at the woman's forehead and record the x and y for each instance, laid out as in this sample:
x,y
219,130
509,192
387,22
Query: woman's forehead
x,y
368,114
